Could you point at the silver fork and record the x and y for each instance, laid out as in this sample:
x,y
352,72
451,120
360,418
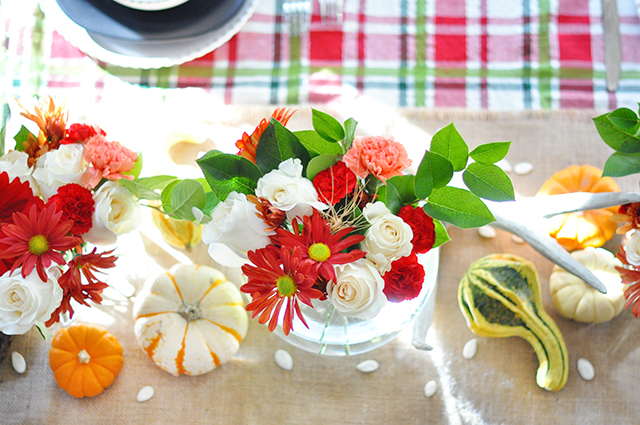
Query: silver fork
x,y
331,11
297,14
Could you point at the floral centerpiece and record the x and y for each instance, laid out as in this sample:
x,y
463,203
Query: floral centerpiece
x,y
322,214
59,191
619,129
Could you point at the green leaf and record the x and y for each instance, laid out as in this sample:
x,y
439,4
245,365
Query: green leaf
x,y
22,136
625,119
147,187
490,153
320,163
405,186
186,195
212,202
350,132
389,195
433,172
442,236
137,168
488,181
459,207
622,164
44,332
165,196
277,144
316,145
448,143
327,127
226,173
617,138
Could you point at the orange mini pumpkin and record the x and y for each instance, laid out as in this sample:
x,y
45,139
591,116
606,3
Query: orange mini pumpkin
x,y
584,228
85,359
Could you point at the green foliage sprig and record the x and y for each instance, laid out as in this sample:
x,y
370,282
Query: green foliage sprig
x,y
322,147
620,129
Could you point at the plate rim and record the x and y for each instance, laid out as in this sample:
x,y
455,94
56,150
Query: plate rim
x,y
152,5
80,39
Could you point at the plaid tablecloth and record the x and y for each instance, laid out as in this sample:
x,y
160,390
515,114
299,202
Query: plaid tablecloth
x,y
471,54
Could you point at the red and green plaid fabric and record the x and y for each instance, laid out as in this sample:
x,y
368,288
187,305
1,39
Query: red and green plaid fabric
x,y
472,54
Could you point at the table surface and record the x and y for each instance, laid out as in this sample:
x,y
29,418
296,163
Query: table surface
x,y
496,386
481,54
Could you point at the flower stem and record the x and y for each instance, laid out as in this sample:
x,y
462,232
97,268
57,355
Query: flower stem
x,y
323,347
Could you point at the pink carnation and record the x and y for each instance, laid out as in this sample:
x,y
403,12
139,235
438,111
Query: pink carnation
x,y
378,155
108,160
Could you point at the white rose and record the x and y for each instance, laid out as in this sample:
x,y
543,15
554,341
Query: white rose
x,y
16,164
59,167
116,212
25,301
632,248
234,230
288,191
388,238
357,291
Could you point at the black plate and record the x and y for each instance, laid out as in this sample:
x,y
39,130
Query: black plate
x,y
111,19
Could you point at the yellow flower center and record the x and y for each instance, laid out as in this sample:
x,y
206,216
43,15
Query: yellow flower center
x,y
319,252
286,286
38,245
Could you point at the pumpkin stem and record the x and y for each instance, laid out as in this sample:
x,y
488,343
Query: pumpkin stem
x,y
84,357
190,312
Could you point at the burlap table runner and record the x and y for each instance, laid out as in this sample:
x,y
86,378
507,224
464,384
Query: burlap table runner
x,y
496,386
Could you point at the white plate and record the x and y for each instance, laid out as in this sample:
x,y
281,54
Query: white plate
x,y
151,4
140,54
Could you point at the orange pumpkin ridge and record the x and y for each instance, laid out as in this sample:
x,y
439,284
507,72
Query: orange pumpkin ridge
x,y
214,356
153,345
213,285
175,285
230,331
180,355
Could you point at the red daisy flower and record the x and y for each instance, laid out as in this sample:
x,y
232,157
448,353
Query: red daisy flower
x,y
278,277
320,245
72,286
35,240
630,277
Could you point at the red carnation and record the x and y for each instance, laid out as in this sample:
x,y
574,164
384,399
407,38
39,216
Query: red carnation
x,y
334,183
424,233
80,133
77,205
404,280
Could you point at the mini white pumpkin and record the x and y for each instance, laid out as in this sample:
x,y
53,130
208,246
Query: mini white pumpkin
x,y
190,319
576,300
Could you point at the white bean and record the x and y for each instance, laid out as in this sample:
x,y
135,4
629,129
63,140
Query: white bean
x,y
18,362
145,393
430,388
470,348
523,168
586,369
283,359
368,366
487,232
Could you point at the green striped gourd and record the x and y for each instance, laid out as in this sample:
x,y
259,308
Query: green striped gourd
x,y
499,296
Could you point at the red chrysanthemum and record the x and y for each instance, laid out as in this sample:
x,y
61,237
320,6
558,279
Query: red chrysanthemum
x,y
404,280
78,133
36,239
335,183
424,233
77,205
278,277
319,245
248,144
72,286
630,277
15,196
